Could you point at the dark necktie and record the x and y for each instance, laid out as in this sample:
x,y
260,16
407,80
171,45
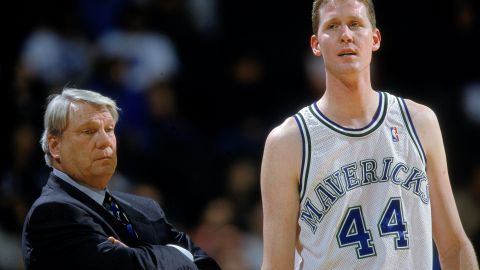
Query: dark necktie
x,y
114,208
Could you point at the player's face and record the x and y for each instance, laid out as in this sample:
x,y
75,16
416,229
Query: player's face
x,y
345,37
87,149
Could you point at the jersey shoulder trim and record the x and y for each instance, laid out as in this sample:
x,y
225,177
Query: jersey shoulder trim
x,y
306,155
411,129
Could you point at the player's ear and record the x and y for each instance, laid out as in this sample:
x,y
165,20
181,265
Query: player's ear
x,y
315,45
377,38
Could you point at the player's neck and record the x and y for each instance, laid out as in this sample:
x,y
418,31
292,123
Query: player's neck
x,y
350,103
349,82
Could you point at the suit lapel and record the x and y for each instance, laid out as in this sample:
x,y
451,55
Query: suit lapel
x,y
117,230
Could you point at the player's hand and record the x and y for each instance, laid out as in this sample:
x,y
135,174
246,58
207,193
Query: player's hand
x,y
115,241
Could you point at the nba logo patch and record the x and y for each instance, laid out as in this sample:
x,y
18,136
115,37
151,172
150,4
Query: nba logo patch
x,y
394,132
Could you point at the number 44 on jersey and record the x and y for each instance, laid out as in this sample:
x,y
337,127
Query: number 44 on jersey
x,y
353,232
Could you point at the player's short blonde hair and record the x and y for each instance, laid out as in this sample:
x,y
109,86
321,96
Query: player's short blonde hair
x,y
56,114
317,4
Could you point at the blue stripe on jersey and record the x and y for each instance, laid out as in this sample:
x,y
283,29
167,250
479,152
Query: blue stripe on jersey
x,y
415,131
306,154
374,119
409,126
303,152
376,122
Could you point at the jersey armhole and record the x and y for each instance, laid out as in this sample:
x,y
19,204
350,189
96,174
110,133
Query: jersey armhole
x,y
411,130
306,154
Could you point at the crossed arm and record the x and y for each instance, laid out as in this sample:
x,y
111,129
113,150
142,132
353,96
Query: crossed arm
x,y
61,236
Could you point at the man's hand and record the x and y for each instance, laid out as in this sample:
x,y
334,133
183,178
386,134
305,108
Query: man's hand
x,y
115,241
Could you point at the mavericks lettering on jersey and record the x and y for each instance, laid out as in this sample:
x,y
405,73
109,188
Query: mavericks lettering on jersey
x,y
354,175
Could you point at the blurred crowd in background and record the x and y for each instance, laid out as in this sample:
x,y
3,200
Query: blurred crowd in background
x,y
201,83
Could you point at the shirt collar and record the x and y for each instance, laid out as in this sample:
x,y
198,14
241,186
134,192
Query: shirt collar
x,y
96,194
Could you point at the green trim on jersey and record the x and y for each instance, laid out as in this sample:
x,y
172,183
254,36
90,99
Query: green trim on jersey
x,y
352,132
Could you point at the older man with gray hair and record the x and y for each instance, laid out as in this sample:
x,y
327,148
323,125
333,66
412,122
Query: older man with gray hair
x,y
77,223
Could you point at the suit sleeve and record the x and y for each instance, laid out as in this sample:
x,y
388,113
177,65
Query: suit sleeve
x,y
63,236
201,259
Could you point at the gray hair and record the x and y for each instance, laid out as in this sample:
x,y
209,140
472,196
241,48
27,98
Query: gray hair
x,y
56,114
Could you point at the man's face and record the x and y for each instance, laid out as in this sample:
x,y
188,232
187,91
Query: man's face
x,y
345,37
87,149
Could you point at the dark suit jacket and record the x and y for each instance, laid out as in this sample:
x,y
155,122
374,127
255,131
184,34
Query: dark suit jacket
x,y
66,229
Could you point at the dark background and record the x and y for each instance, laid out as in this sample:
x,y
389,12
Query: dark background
x,y
193,140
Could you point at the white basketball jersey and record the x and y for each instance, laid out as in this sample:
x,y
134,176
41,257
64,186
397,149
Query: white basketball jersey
x,y
364,200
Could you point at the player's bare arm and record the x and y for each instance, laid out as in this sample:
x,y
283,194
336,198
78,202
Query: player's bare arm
x,y
455,249
279,185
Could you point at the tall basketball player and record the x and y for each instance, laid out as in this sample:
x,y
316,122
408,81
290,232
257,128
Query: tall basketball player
x,y
358,179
